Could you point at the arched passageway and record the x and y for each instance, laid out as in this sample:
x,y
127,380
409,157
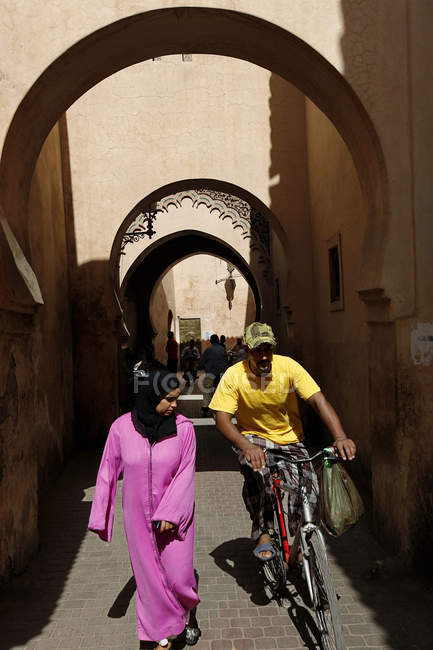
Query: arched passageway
x,y
204,30
208,31
156,260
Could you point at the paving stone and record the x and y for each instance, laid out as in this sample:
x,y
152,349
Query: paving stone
x,y
289,642
265,644
253,632
354,640
243,644
221,645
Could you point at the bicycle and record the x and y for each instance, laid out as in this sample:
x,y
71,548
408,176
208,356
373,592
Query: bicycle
x,y
310,543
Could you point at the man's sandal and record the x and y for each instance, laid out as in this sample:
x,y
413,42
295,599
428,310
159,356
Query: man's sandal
x,y
264,547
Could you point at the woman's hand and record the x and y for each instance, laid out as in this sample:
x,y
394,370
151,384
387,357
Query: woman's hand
x,y
165,525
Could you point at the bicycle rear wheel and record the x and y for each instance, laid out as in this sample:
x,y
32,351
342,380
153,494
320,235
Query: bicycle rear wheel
x,y
275,571
325,599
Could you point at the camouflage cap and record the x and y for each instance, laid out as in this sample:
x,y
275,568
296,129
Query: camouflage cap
x,y
258,333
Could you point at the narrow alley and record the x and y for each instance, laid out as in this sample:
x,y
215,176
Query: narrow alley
x,y
79,592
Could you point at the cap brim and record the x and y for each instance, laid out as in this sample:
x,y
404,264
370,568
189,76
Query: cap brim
x,y
266,339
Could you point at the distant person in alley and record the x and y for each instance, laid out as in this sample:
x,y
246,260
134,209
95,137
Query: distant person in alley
x,y
237,352
190,358
214,362
172,352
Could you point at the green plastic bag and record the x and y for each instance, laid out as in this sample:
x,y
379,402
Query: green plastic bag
x,y
340,502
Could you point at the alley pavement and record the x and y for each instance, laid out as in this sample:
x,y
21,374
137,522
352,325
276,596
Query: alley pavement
x,y
79,593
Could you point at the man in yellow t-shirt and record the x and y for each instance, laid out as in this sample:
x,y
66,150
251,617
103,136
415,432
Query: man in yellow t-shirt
x,y
261,392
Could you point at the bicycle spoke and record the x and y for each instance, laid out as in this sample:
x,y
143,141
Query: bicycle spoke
x,y
325,600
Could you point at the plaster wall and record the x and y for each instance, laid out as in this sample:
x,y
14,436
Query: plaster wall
x,y
341,337
36,372
164,121
289,193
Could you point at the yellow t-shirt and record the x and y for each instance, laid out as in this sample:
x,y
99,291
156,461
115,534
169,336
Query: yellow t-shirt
x,y
266,406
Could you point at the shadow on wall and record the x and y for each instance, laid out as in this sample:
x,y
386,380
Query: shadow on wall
x,y
288,191
96,333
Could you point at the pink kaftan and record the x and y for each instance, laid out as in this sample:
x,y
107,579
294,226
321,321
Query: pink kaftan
x,y
158,484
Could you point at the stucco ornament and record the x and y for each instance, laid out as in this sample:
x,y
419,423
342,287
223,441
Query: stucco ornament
x,y
421,344
251,223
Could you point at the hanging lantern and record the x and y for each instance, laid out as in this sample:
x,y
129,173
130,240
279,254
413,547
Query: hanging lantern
x,y
229,286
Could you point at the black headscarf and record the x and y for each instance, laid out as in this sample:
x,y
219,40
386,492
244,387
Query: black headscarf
x,y
145,419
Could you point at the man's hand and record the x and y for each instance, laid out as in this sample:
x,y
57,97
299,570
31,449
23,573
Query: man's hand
x,y
346,448
253,453
255,456
165,525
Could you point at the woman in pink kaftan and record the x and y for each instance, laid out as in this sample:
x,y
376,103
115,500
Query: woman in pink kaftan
x,y
155,450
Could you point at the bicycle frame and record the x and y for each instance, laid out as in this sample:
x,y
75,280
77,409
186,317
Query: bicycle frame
x,y
308,540
305,527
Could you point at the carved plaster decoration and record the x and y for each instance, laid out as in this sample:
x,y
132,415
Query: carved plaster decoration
x,y
139,228
251,222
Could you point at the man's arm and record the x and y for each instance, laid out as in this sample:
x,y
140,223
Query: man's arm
x,y
253,453
345,445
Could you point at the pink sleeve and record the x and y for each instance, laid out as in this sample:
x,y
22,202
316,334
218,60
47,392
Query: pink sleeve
x,y
177,504
102,512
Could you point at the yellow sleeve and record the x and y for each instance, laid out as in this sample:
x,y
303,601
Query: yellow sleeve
x,y
303,383
225,397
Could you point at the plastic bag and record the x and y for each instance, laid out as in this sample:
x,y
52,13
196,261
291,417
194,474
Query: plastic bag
x,y
340,502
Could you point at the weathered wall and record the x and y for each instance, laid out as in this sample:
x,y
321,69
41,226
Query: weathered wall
x,y
404,466
18,459
36,372
417,334
52,342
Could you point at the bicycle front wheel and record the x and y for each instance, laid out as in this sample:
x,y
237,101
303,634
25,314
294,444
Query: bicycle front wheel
x,y
325,599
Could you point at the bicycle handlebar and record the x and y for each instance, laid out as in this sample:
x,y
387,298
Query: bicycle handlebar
x,y
330,452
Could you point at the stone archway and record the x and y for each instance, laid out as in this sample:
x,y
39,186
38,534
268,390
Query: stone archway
x,y
164,254
219,210
198,30
221,218
248,223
